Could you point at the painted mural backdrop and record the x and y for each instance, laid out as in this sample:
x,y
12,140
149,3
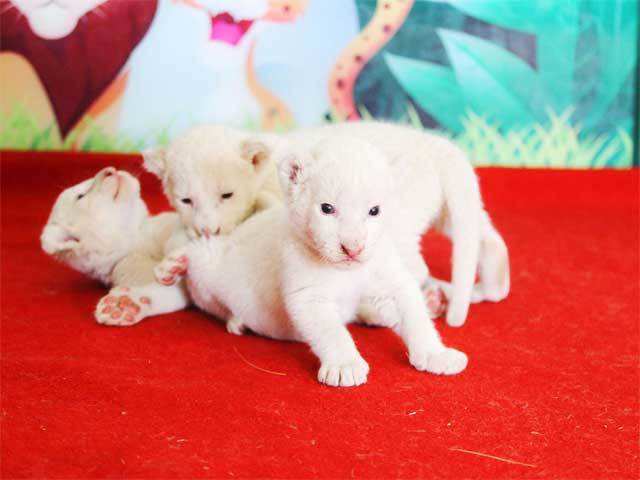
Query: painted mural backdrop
x,y
515,82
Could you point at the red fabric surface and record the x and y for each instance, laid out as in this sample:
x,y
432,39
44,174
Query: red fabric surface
x,y
552,380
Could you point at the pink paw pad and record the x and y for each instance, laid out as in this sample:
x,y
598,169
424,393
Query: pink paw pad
x,y
436,301
121,309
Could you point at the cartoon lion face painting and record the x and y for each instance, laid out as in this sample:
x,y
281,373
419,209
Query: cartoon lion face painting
x,y
54,19
55,64
234,31
131,68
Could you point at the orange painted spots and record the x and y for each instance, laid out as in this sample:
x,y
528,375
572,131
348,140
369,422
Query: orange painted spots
x,y
285,10
387,19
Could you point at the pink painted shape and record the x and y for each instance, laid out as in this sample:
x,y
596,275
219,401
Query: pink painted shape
x,y
225,29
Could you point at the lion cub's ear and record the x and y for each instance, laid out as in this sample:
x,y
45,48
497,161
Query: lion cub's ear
x,y
293,165
155,161
257,152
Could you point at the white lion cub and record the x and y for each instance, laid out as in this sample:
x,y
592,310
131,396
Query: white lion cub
x,y
301,272
214,178
101,227
437,187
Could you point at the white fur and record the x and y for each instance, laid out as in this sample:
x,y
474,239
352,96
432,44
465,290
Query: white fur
x,y
208,162
436,187
101,227
300,274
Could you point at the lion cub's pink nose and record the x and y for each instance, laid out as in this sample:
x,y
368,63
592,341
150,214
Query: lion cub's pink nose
x,y
207,233
352,253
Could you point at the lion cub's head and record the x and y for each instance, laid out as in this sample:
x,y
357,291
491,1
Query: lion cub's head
x,y
94,224
339,195
211,176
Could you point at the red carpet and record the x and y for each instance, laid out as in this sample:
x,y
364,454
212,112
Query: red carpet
x,y
552,384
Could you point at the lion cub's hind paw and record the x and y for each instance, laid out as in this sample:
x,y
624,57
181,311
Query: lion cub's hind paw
x,y
121,307
436,300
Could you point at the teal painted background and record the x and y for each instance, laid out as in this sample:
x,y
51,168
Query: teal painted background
x,y
544,83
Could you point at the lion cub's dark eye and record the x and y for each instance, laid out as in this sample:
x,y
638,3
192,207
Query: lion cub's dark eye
x,y
186,201
227,195
327,208
80,196
374,211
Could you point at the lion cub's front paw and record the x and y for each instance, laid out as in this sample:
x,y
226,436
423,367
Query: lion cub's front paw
x,y
436,300
346,375
171,269
447,362
121,307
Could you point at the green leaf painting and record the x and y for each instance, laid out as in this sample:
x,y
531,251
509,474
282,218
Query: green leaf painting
x,y
433,87
495,82
581,72
529,16
556,26
617,28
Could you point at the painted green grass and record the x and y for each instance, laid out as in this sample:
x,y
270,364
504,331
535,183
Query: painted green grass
x,y
20,131
558,144
555,145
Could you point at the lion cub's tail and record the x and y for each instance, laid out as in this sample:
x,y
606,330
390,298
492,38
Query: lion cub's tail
x,y
463,213
477,245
